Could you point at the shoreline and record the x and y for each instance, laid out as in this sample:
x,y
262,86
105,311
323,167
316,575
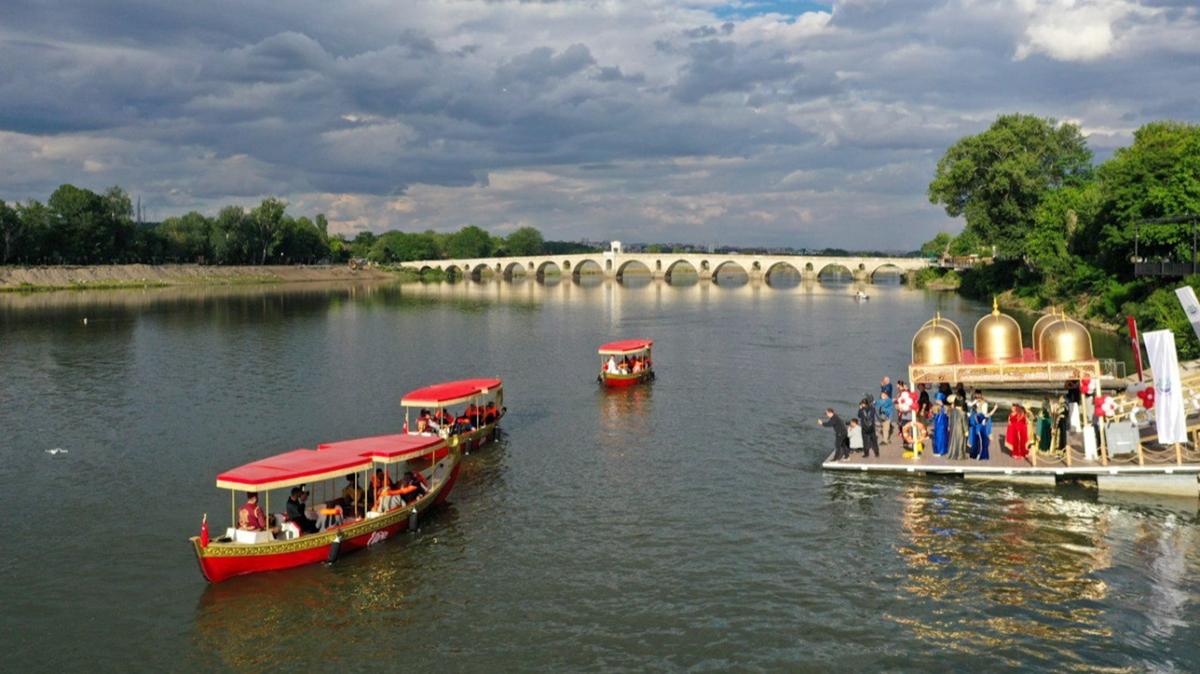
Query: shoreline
x,y
131,276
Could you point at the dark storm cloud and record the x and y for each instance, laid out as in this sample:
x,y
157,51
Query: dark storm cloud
x,y
586,119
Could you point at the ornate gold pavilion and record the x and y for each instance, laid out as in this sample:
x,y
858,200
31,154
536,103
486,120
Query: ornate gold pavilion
x,y
1060,351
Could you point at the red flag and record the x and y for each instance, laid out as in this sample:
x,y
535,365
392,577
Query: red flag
x,y
1133,341
204,531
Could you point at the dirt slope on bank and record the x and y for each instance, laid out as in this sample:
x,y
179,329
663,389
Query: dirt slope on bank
x,y
173,274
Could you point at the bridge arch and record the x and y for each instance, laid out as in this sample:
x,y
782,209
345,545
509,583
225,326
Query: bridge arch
x,y
834,271
889,269
680,266
547,267
782,270
588,266
514,269
454,272
808,266
636,266
734,272
481,271
729,266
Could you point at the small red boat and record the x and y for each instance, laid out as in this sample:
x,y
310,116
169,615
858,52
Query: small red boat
x,y
626,362
463,412
350,522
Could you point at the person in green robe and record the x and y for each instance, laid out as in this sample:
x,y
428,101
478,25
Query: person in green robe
x,y
1045,428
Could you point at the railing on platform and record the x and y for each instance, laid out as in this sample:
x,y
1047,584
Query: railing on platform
x,y
1111,368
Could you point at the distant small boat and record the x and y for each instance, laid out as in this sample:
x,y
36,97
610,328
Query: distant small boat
x,y
626,362
860,296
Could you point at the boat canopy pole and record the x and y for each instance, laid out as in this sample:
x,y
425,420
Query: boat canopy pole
x,y
233,509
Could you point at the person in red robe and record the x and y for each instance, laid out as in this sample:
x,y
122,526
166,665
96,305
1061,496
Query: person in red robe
x,y
250,516
1017,435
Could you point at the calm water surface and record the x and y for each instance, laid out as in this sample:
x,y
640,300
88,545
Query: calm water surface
x,y
683,525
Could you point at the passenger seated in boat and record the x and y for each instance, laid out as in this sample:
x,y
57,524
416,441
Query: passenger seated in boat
x,y
444,418
489,413
250,516
295,512
473,413
411,479
611,368
380,482
352,496
637,365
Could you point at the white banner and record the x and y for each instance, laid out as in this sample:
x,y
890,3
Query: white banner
x,y
1191,307
1168,388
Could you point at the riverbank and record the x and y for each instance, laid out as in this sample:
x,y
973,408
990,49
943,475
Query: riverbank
x,y
97,277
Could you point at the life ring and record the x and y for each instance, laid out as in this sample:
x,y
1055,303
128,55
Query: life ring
x,y
906,432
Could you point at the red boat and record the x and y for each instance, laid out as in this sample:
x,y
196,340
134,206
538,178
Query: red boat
x,y
347,523
464,412
626,362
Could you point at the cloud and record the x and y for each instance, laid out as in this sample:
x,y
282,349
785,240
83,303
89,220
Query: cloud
x,y
751,121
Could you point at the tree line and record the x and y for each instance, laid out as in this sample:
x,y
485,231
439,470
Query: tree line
x,y
1066,231
79,226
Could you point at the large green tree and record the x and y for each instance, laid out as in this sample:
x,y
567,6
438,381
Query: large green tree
x,y
1155,178
997,179
269,224
11,229
469,241
525,241
937,246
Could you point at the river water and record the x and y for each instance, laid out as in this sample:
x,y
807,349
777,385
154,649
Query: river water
x,y
682,525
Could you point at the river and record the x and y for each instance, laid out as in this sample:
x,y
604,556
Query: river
x,y
681,525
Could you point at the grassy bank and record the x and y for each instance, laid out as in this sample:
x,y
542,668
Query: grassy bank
x,y
117,277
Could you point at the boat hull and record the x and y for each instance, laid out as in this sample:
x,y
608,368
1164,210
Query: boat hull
x,y
219,562
623,380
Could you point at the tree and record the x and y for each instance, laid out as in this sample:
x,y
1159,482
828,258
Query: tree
x,y
468,242
1155,178
187,238
268,221
233,238
11,229
402,247
997,178
937,246
525,241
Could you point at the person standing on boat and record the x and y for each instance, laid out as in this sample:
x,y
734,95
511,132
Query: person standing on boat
x,y
250,516
866,421
841,442
884,409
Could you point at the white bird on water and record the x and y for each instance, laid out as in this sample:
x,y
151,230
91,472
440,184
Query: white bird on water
x,y
56,450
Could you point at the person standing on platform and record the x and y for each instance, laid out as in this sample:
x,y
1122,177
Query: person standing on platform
x,y
884,410
980,428
940,430
854,437
841,446
958,428
866,420
1017,433
885,386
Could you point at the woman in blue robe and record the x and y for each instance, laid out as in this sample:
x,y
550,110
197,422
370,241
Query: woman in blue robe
x,y
981,429
941,430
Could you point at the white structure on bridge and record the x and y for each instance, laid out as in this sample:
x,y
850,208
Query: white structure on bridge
x,y
614,263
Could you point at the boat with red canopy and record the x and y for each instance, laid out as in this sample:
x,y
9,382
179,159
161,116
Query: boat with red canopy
x,y
626,362
406,475
464,412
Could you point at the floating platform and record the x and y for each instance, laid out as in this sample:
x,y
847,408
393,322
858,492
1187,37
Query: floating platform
x,y
1161,472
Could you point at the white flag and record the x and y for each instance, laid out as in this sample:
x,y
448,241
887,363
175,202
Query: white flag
x,y
1191,307
1169,414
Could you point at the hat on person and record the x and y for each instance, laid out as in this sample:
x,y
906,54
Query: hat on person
x,y
951,398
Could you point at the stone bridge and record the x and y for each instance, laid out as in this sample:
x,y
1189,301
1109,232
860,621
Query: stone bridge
x,y
614,264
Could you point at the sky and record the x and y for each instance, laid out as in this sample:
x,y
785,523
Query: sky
x,y
752,122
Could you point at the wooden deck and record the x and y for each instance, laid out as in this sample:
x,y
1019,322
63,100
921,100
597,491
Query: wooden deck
x,y
1000,464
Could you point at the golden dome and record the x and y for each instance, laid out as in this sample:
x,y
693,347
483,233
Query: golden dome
x,y
1042,324
1065,341
938,342
998,337
937,318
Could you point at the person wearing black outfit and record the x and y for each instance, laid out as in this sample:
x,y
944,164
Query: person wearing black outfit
x,y
295,513
866,419
841,441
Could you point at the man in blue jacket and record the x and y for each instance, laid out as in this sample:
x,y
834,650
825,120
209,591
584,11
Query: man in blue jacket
x,y
885,409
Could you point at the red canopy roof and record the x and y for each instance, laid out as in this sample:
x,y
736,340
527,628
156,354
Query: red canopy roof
x,y
386,448
291,468
625,346
449,393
